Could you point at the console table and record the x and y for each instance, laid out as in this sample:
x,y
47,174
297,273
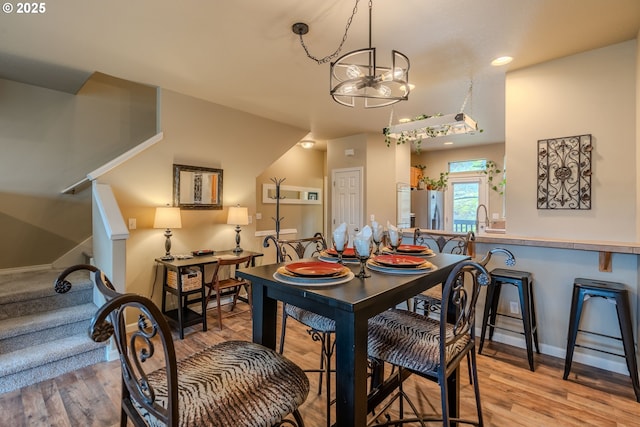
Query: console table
x,y
184,316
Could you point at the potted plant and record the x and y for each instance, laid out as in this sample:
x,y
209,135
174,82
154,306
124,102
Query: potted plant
x,y
437,184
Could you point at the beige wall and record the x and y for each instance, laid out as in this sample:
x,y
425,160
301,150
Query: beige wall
x,y
384,167
196,133
589,93
301,168
51,140
637,157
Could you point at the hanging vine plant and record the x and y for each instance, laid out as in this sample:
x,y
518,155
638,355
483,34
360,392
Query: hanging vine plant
x,y
491,170
415,136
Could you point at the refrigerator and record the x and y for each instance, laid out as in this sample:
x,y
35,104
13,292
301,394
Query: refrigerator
x,y
427,206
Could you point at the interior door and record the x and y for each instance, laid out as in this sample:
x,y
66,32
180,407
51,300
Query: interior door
x,y
347,198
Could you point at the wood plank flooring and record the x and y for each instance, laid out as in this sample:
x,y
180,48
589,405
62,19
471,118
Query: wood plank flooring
x,y
511,394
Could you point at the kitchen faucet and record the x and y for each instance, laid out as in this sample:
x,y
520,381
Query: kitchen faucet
x,y
486,217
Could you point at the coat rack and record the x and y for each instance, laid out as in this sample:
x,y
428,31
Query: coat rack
x,y
277,219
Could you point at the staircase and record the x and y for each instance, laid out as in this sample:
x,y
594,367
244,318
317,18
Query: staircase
x,y
44,334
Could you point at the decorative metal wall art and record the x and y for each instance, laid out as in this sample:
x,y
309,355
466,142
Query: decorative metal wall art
x,y
564,173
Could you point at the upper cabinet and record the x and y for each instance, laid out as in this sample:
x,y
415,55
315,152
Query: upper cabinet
x,y
416,174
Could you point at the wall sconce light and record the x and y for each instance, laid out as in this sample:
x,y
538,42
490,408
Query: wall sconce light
x,y
238,216
167,217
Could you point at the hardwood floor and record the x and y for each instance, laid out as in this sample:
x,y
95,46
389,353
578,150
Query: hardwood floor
x,y
511,394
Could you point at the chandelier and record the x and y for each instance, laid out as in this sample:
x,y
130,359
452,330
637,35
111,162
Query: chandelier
x,y
357,74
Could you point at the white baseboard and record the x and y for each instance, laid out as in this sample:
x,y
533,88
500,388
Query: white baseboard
x,y
578,355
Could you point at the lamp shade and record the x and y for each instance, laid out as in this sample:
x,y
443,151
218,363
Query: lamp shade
x,y
167,217
238,215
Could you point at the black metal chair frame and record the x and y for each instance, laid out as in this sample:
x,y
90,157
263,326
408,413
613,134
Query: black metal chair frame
x,y
462,309
138,347
455,243
523,281
617,293
289,250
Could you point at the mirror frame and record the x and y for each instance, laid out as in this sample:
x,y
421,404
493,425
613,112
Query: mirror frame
x,y
178,169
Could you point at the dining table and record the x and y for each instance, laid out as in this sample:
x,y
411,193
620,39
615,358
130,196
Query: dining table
x,y
350,305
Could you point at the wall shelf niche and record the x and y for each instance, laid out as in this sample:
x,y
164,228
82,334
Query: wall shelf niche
x,y
292,195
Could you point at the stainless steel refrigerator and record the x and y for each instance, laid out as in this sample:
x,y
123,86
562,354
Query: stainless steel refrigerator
x,y
428,208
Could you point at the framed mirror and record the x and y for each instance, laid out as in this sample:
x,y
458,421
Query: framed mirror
x,y
197,187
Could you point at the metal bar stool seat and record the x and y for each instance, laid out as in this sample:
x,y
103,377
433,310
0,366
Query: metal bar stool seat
x,y
523,281
583,289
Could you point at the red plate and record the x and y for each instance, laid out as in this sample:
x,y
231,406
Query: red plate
x,y
412,249
314,268
399,260
348,252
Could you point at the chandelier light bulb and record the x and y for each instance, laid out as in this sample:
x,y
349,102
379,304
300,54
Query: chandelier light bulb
x,y
353,71
347,89
384,91
398,73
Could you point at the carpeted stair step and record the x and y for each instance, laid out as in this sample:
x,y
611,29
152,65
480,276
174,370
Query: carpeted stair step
x,y
34,329
43,334
27,293
42,362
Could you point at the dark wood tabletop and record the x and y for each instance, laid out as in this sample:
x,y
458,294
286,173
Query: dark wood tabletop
x,y
350,304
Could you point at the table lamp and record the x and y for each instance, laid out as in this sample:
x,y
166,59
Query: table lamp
x,y
238,216
167,217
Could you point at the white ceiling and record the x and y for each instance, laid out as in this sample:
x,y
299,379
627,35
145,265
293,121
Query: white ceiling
x,y
243,54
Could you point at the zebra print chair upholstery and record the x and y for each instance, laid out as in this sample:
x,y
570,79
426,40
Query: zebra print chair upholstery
x,y
320,328
431,348
438,241
234,383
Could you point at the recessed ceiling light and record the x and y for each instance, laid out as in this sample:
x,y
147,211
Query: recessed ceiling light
x,y
307,143
503,60
448,143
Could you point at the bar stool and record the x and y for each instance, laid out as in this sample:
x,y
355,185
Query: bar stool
x,y
584,289
523,281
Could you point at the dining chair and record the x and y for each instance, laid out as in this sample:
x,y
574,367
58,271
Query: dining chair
x,y
431,348
218,284
442,242
321,328
233,383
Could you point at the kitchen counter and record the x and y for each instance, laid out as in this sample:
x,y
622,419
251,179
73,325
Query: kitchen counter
x,y
605,248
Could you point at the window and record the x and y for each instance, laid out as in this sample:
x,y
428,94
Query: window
x,y
468,166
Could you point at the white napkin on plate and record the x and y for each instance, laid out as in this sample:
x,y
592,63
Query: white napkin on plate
x,y
362,242
340,236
